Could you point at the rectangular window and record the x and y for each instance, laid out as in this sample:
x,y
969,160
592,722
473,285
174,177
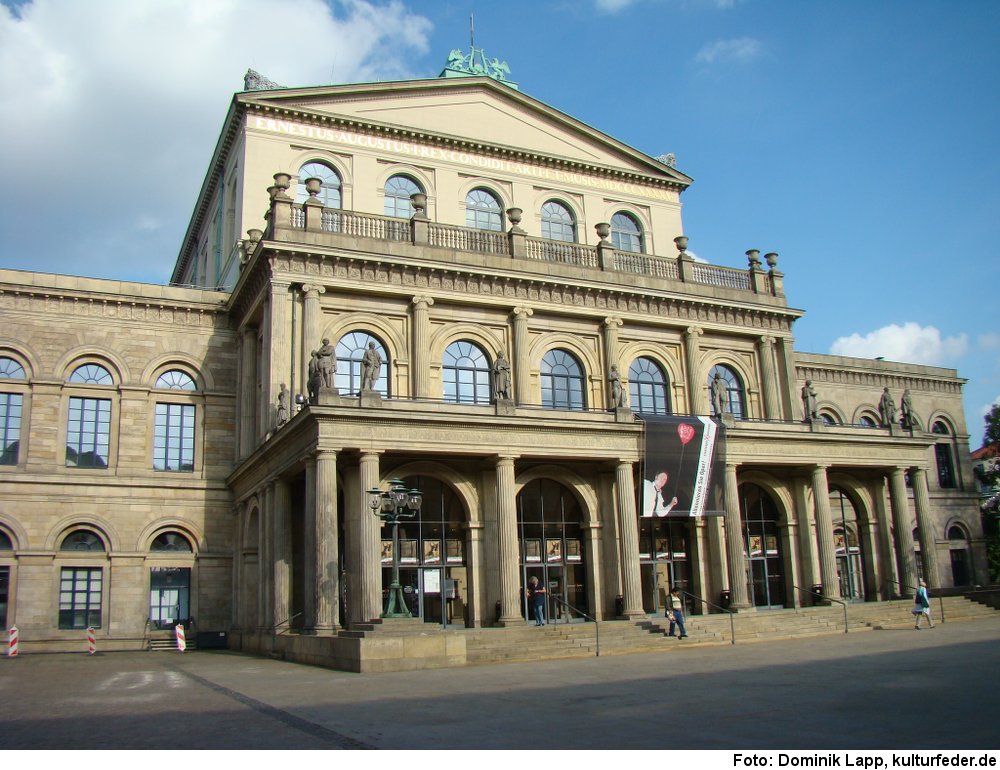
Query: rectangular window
x,y
4,590
80,597
173,439
88,432
946,472
10,427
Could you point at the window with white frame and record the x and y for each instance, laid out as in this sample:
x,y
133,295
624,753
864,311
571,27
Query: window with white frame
x,y
11,406
174,425
626,235
483,211
562,381
398,190
558,223
466,374
88,424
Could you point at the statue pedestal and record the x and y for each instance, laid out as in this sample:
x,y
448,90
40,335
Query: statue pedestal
x,y
370,399
623,414
328,397
816,425
896,431
505,407
728,420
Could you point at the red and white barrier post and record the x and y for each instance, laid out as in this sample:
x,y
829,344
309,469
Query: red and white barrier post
x,y
181,641
91,641
12,642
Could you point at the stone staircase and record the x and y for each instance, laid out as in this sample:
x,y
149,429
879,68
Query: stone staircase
x,y
617,637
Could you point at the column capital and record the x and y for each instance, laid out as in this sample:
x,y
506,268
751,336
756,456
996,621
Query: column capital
x,y
279,284
766,340
612,322
522,312
422,300
821,467
312,290
694,331
505,459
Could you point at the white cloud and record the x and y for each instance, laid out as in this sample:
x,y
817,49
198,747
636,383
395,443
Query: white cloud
x,y
113,108
989,341
909,343
739,50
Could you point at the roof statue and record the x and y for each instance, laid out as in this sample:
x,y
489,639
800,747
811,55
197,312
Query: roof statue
x,y
461,64
668,160
254,81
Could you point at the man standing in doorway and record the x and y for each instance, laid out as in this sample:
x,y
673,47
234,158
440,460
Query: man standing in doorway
x,y
536,598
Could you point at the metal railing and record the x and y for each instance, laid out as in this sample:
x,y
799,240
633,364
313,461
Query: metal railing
x,y
597,625
914,590
275,633
730,612
824,598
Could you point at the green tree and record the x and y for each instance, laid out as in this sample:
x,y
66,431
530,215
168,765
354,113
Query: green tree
x,y
991,435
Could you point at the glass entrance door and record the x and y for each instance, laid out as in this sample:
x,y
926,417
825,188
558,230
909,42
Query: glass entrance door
x,y
169,596
760,532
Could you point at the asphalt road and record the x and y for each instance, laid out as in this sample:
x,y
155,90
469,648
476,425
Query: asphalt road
x,y
929,689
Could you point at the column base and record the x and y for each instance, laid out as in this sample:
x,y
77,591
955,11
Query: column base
x,y
514,620
322,631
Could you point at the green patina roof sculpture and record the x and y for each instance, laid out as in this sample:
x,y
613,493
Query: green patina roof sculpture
x,y
462,65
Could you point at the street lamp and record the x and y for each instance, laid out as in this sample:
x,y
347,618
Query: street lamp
x,y
391,507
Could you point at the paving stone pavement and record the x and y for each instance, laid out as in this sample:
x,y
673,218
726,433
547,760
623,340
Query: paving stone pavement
x,y
929,689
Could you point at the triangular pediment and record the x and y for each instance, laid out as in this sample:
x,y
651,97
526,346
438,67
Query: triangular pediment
x,y
476,109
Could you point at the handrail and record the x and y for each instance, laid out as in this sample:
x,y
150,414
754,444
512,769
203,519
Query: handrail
x,y
597,625
732,623
914,588
827,598
274,629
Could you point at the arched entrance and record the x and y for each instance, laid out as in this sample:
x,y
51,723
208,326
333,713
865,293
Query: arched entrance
x,y
759,516
664,560
847,543
958,547
432,562
550,539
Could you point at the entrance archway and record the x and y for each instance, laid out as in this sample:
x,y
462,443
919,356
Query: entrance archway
x,y
432,561
759,517
848,546
961,564
550,541
664,560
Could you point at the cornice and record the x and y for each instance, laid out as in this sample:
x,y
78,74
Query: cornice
x,y
932,383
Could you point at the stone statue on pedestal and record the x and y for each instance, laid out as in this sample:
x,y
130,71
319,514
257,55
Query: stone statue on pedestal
x,y
887,409
718,392
501,378
809,402
371,367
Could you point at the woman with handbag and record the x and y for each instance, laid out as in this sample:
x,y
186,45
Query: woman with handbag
x,y
922,606
676,613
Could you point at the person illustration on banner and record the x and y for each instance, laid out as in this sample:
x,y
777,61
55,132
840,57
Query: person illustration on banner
x,y
536,599
654,502
676,613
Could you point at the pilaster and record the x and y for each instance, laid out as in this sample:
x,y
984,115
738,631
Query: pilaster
x,y
421,371
697,403
522,368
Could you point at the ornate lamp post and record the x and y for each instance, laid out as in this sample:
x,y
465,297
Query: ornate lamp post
x,y
393,506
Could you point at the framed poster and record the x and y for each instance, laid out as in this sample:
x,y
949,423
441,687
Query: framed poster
x,y
553,550
387,551
408,551
532,550
572,550
453,550
772,545
662,548
432,552
756,545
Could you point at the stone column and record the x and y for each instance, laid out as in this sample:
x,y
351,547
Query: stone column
x,y
824,532
367,602
769,382
248,391
734,542
807,544
265,410
421,370
309,552
886,560
902,526
510,604
629,528
786,376
281,522
925,528
239,611
311,314
264,566
327,575
280,326
718,565
522,365
697,403
610,328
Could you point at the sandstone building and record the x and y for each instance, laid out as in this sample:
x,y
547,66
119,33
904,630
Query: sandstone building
x,y
153,472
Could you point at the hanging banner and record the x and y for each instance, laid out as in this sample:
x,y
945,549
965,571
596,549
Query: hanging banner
x,y
684,469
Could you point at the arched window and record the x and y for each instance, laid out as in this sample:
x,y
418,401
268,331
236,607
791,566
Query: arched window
x,y
88,424
557,222
482,210
329,190
398,190
82,540
466,372
350,354
943,455
626,235
11,406
174,425
867,422
850,556
171,542
647,386
828,418
762,541
562,381
734,389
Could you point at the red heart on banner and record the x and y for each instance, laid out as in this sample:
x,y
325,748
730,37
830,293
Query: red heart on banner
x,y
686,432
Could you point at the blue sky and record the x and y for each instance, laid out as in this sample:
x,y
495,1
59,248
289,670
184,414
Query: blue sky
x,y
858,139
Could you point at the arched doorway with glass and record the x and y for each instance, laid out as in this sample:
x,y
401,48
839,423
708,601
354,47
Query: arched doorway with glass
x,y
760,517
432,556
664,560
171,557
958,548
848,546
550,540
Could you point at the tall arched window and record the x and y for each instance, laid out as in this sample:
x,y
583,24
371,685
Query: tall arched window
x,y
943,455
762,541
562,381
174,424
11,406
734,390
647,385
398,190
466,374
329,191
88,423
850,556
350,352
81,587
482,210
557,222
626,235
